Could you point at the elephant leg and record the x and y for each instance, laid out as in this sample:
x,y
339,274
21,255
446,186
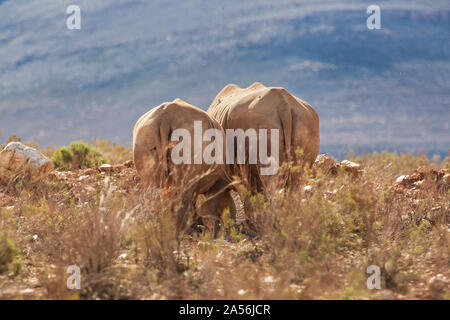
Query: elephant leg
x,y
249,224
228,203
181,210
195,224
209,210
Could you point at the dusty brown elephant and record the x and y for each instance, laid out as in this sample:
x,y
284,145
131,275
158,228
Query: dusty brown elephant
x,y
157,159
260,107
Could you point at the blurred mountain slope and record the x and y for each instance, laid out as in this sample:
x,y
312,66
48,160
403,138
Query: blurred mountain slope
x,y
373,89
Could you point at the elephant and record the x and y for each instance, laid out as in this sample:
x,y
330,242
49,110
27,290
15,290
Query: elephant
x,y
259,107
155,154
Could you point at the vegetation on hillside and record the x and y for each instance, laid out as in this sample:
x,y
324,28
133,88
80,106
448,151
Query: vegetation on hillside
x,y
9,256
312,241
79,155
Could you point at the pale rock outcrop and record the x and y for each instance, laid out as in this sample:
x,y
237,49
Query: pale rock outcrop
x,y
424,178
326,164
446,179
17,158
351,167
106,168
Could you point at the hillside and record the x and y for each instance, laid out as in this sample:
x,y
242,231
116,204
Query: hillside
x,y
373,90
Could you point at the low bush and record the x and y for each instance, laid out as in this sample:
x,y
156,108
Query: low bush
x,y
79,155
9,256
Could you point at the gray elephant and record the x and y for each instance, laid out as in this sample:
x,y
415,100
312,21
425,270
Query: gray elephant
x,y
259,107
157,156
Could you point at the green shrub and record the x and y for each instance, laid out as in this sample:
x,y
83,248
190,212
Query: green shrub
x,y
62,158
9,256
78,155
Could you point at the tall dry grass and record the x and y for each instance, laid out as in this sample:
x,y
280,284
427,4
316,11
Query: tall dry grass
x,y
314,240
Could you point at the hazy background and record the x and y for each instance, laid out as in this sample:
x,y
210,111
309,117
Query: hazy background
x,y
373,89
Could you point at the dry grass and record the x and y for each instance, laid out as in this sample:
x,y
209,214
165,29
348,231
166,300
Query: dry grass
x,y
314,241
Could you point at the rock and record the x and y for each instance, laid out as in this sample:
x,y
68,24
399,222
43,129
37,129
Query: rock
x,y
89,189
27,291
418,183
17,158
106,168
424,178
351,167
241,292
446,179
269,279
401,179
128,164
326,164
